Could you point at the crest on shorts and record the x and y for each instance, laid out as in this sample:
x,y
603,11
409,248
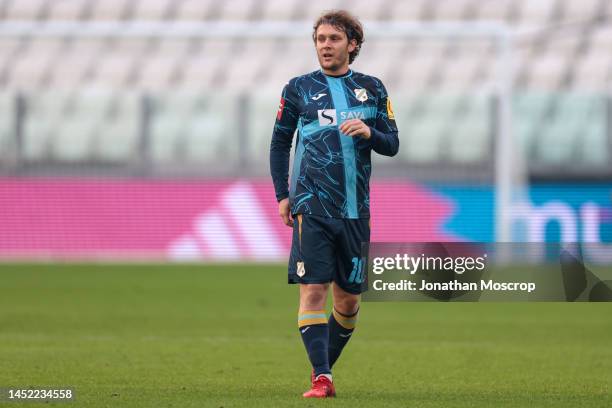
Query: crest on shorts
x,y
361,94
301,271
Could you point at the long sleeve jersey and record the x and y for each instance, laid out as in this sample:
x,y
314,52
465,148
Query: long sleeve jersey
x,y
331,171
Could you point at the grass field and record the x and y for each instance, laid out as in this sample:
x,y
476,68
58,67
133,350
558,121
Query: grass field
x,y
226,336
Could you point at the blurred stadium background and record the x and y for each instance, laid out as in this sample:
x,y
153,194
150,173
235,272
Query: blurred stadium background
x,y
141,129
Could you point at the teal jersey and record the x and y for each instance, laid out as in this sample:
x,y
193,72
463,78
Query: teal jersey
x,y
331,171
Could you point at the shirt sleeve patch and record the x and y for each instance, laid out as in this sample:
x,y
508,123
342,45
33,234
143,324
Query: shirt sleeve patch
x,y
281,107
390,113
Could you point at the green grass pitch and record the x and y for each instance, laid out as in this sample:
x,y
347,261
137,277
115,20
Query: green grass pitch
x,y
226,336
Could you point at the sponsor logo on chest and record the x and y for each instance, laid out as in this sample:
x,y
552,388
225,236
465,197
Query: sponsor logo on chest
x,y
329,117
346,115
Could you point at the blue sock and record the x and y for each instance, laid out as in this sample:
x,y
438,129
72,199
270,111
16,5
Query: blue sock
x,y
340,330
315,334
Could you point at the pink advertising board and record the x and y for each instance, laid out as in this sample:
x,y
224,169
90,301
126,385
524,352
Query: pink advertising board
x,y
221,220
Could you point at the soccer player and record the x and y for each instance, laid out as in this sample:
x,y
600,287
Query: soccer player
x,y
340,116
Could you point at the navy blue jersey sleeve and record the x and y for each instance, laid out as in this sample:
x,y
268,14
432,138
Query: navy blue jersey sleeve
x,y
384,134
282,137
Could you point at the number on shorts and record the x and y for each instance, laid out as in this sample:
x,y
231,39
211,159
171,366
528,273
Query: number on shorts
x,y
357,272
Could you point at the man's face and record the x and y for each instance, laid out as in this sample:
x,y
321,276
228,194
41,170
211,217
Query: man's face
x,y
333,48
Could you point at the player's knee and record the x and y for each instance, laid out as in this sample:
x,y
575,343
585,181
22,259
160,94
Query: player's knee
x,y
347,305
313,301
313,297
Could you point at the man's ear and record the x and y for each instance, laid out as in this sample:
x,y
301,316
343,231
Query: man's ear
x,y
352,45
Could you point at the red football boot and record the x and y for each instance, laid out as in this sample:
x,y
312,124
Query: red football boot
x,y
322,387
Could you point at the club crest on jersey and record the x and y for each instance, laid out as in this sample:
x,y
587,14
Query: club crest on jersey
x,y
301,271
327,117
361,94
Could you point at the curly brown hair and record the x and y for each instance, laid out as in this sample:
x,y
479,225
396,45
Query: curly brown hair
x,y
345,22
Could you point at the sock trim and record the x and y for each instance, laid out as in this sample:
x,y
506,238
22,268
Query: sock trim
x,y
346,315
348,322
328,376
312,317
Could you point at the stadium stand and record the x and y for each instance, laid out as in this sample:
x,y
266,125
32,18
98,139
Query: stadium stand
x,y
84,94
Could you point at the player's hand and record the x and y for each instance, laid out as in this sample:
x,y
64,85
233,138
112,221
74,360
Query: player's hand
x,y
284,210
355,127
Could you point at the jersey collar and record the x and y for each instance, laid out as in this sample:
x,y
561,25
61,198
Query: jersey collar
x,y
348,74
